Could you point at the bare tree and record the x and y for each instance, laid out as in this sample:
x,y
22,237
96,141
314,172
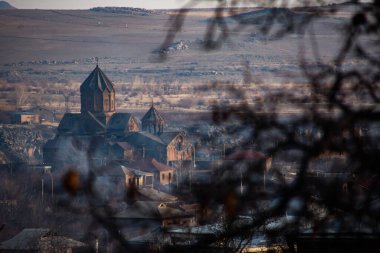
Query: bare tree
x,y
324,170
21,95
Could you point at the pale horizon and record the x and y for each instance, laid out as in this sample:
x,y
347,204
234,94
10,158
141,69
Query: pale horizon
x,y
147,4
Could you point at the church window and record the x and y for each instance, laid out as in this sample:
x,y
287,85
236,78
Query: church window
x,y
106,103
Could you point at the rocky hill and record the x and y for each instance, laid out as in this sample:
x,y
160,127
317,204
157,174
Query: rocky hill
x,y
123,10
5,6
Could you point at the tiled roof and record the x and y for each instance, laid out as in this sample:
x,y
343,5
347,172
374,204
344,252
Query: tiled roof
x,y
152,116
150,210
160,166
27,239
97,80
156,195
149,165
37,240
167,137
142,139
119,121
80,124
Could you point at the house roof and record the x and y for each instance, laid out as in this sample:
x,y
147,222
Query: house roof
x,y
59,242
152,210
150,237
128,170
97,81
124,145
160,166
38,239
139,139
152,116
27,239
110,170
156,195
24,113
39,109
245,155
150,165
80,124
119,121
167,137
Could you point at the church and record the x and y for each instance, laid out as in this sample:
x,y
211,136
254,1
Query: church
x,y
98,134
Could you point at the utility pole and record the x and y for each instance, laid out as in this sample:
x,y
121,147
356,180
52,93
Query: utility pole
x,y
241,181
42,190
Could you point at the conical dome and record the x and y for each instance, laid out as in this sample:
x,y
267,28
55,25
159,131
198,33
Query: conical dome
x,y
97,93
153,121
97,81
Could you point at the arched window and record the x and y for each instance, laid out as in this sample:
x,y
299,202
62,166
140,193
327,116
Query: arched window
x,y
106,104
112,102
180,143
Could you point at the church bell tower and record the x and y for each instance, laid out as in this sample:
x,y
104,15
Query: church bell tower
x,y
98,95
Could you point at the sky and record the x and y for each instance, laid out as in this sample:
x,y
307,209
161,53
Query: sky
x,y
148,4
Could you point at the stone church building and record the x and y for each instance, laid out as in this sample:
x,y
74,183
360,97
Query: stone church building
x,y
98,134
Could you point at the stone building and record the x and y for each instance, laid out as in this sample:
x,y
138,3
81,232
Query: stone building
x,y
153,122
128,138
97,96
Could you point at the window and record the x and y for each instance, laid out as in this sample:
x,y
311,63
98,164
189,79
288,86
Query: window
x,y
106,104
180,143
163,176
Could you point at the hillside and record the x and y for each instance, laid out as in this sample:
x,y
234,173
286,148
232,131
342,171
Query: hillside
x,y
60,46
6,6
53,51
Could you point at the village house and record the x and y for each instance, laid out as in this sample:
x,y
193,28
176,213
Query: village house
x,y
22,117
143,216
45,114
163,174
42,240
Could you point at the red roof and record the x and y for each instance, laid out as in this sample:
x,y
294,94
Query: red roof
x,y
160,166
249,155
151,165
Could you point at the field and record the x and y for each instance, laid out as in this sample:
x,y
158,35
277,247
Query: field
x,y
50,52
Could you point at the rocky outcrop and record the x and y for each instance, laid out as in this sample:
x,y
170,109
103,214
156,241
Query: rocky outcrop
x,y
123,10
6,6
23,143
